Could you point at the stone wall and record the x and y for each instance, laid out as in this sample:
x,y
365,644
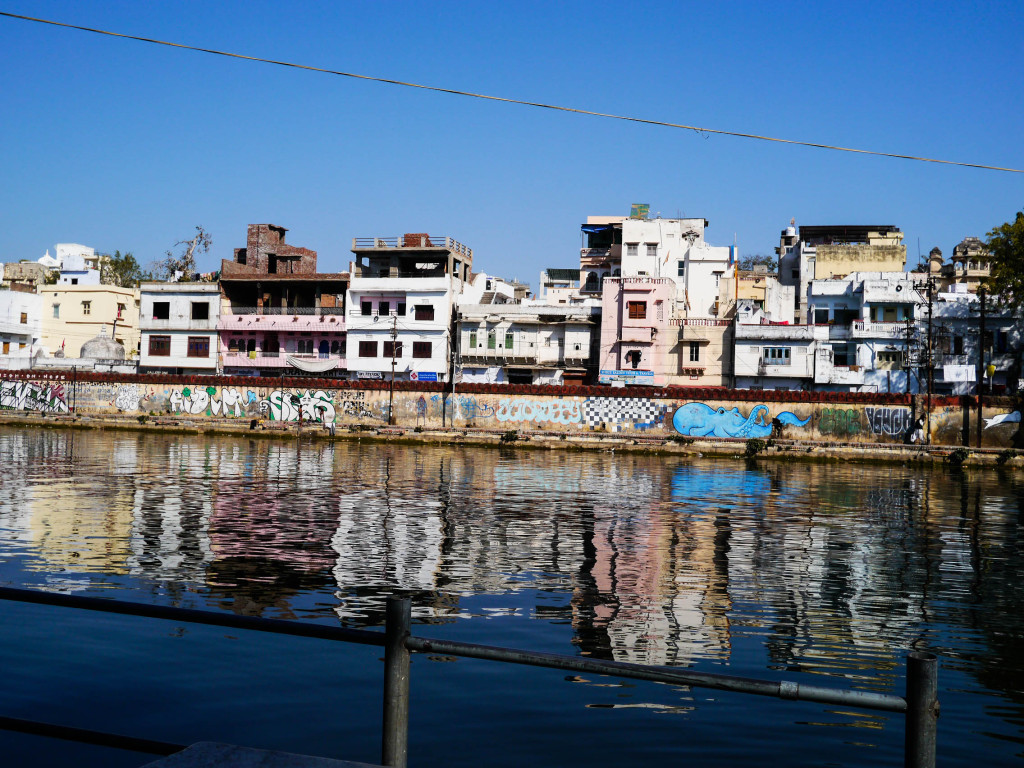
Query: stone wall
x,y
571,410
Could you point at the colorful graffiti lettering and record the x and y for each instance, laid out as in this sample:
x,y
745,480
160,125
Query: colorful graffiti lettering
x,y
888,421
620,413
839,422
700,420
1003,418
468,407
521,409
29,396
309,405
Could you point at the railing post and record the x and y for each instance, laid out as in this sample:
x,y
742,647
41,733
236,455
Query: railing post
x,y
395,740
922,710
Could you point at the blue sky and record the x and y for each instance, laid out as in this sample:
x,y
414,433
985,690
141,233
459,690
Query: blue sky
x,y
124,145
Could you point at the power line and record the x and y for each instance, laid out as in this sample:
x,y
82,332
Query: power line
x,y
455,92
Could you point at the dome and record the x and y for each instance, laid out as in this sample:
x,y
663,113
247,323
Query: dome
x,y
102,347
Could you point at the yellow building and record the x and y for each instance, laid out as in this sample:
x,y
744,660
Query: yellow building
x,y
73,314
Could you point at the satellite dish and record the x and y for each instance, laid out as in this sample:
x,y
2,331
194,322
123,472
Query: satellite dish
x,y
376,318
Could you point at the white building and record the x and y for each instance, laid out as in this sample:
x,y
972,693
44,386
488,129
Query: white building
x,y
20,327
505,341
78,264
401,301
178,322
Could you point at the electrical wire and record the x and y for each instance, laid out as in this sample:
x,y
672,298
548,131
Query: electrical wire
x,y
455,92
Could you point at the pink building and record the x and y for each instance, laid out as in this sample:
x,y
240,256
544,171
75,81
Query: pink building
x,y
637,336
280,316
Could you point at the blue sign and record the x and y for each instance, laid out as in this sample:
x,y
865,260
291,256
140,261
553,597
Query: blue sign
x,y
630,377
422,376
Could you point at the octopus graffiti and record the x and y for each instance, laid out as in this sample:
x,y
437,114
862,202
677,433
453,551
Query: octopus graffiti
x,y
30,396
700,420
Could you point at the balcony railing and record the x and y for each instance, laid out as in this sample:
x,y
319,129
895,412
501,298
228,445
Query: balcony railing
x,y
296,311
405,241
867,329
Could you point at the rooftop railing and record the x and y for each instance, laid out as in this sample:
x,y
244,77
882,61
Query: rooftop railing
x,y
412,241
920,704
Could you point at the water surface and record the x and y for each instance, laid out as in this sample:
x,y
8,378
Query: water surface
x,y
821,574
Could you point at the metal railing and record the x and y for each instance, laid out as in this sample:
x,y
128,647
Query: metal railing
x,y
293,311
920,705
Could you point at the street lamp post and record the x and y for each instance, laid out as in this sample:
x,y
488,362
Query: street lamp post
x,y
394,349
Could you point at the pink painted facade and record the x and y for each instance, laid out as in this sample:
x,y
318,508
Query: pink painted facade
x,y
638,339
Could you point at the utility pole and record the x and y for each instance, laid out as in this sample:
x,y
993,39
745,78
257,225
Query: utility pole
x,y
909,362
981,360
394,351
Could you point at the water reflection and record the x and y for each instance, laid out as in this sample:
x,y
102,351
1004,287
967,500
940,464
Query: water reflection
x,y
829,570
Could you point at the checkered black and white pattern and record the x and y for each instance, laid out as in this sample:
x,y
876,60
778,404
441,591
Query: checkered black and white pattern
x,y
619,413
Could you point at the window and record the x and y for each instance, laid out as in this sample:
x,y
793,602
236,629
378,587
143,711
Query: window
x,y
74,281
198,346
200,310
250,347
384,308
776,356
392,349
958,345
24,318
366,308
490,340
821,316
652,249
233,345
632,249
795,274
889,360
7,347
633,357
718,277
637,309
509,340
160,346
56,310
304,346
592,283
120,310
367,348
472,339
694,352
336,347
425,312
401,309
421,349
681,269
86,307
161,310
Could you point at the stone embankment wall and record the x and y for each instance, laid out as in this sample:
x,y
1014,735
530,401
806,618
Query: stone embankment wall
x,y
690,412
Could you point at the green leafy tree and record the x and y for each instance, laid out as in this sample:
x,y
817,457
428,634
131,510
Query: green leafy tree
x,y
747,263
1006,250
121,270
182,266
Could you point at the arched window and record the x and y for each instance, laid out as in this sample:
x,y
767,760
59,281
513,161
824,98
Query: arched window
x,y
592,282
324,348
250,345
233,345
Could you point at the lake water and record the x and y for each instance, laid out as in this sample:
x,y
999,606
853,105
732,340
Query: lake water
x,y
825,574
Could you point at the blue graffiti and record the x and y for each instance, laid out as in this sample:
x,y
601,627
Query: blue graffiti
x,y
699,420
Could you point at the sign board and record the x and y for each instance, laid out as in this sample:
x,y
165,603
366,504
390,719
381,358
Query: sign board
x,y
639,210
369,375
422,376
960,373
628,377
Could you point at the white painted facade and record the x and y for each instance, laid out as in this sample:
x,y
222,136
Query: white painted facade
x,y
178,322
414,311
20,327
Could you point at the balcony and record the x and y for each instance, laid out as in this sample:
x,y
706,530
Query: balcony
x,y
323,319
595,257
863,329
178,324
780,332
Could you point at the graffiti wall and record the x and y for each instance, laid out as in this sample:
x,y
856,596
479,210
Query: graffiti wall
x,y
571,414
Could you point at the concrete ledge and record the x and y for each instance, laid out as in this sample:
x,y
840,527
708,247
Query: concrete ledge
x,y
206,754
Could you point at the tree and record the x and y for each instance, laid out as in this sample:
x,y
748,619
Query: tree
x,y
1006,251
183,266
747,263
121,270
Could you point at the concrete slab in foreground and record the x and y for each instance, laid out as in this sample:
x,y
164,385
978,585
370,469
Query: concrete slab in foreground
x,y
210,754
